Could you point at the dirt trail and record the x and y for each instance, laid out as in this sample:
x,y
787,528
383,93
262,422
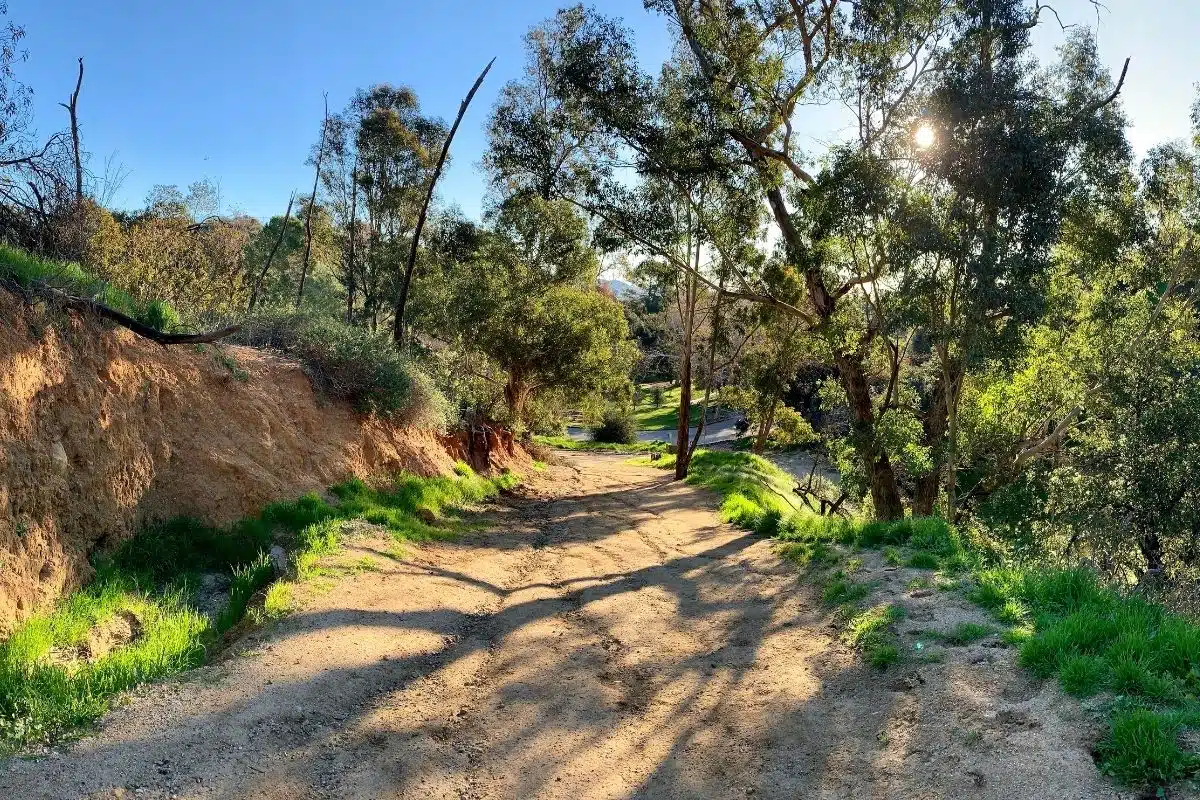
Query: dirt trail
x,y
608,638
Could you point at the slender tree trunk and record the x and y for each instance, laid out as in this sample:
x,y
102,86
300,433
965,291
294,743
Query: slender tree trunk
x,y
271,256
934,425
402,301
312,201
351,275
682,453
712,363
72,108
885,495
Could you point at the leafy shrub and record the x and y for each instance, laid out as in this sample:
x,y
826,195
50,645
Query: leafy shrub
x,y
352,364
616,427
790,429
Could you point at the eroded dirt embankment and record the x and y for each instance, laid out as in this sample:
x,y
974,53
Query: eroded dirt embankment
x,y
101,430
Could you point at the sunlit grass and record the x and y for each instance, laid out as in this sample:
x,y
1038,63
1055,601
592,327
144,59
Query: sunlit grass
x,y
48,691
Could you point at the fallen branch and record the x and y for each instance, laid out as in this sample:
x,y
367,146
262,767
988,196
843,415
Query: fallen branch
x,y
90,306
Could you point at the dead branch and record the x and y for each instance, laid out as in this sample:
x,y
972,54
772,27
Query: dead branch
x,y
312,201
87,305
398,324
71,109
271,256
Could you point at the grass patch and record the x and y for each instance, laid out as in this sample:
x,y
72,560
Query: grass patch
x,y
50,686
566,443
871,632
28,271
967,632
652,417
1093,639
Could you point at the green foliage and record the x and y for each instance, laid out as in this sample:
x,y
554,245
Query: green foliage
x,y
617,426
352,364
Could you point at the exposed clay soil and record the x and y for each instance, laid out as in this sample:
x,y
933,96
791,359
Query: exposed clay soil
x,y
607,637
101,430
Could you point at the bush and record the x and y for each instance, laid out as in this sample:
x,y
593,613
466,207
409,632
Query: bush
x,y
352,364
616,427
790,429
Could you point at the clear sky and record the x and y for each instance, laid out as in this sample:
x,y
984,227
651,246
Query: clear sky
x,y
232,90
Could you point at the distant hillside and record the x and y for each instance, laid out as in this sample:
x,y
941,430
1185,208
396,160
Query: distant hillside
x,y
621,289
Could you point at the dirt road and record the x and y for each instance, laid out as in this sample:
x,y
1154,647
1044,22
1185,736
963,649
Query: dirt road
x,y
607,638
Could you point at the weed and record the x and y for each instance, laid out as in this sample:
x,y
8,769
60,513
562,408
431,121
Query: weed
x,y
854,565
923,559
840,591
967,632
919,583
892,557
563,443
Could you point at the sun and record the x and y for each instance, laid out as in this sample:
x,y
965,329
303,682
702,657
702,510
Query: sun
x,y
924,137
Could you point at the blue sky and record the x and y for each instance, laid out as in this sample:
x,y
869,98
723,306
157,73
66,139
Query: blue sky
x,y
232,90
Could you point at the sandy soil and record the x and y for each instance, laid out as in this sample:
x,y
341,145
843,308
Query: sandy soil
x,y
608,638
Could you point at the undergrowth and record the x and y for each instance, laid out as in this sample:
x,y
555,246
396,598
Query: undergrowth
x,y
50,687
27,271
1067,624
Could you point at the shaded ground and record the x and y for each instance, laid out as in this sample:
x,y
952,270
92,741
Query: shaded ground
x,y
609,639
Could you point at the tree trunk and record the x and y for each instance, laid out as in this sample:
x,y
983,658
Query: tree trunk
x,y
934,425
72,108
312,201
516,394
351,276
402,300
885,495
764,426
712,364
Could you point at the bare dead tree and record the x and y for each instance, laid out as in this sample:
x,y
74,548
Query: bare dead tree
x,y
71,108
351,279
312,201
271,256
402,301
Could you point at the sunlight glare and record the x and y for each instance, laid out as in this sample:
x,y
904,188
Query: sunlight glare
x,y
924,137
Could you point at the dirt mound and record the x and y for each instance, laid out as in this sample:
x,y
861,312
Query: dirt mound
x,y
101,430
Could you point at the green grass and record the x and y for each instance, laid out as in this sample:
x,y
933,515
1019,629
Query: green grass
x,y
871,631
46,696
1094,639
27,271
565,443
666,417
967,632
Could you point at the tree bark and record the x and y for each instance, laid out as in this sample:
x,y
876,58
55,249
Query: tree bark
x,y
764,426
312,201
402,301
71,110
90,306
934,425
516,394
885,495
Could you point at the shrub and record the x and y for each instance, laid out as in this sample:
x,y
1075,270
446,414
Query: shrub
x,y
352,364
616,427
790,429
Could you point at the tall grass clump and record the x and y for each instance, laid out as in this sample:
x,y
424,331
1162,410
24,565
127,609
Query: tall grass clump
x,y
28,272
1093,638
